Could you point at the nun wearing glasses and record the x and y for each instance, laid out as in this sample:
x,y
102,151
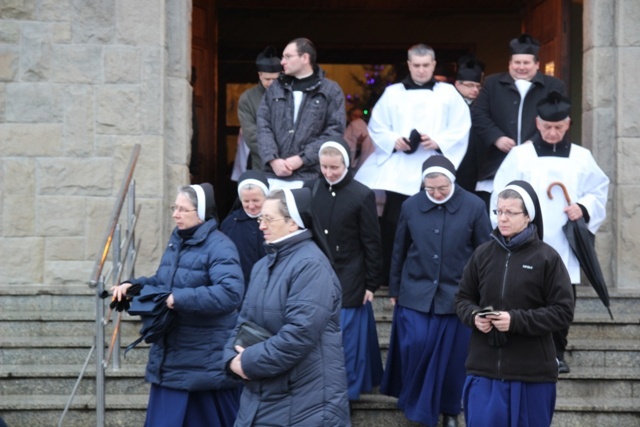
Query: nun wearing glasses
x,y
512,368
295,376
438,230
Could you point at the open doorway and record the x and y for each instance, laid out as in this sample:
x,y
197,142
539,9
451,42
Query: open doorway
x,y
355,33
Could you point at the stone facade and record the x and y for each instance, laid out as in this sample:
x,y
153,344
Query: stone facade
x,y
611,128
82,81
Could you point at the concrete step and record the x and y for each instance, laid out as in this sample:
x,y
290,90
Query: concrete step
x,y
53,379
61,323
622,302
610,353
59,350
599,382
45,411
596,412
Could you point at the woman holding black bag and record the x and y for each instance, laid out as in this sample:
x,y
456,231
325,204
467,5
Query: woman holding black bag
x,y
296,376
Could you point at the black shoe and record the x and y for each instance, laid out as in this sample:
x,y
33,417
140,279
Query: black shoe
x,y
449,420
563,367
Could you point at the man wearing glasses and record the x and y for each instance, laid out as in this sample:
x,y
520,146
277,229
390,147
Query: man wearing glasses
x,y
468,83
300,111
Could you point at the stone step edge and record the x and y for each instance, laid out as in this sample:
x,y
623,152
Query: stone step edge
x,y
578,344
366,403
9,372
88,316
64,342
563,404
126,370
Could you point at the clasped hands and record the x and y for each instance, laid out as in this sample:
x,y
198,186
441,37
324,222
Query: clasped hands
x,y
426,142
500,321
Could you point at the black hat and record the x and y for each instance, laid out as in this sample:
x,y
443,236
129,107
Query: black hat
x,y
470,69
256,178
206,202
439,164
298,201
524,44
554,107
268,60
531,202
340,144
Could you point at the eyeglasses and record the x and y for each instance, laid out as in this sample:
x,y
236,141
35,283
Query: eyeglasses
x,y
267,221
440,190
174,208
508,214
289,56
471,85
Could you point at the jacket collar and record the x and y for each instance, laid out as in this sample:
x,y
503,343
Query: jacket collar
x,y
451,205
287,81
544,149
506,79
200,234
409,84
285,247
346,180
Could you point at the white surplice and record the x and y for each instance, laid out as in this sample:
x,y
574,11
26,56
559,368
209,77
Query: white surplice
x,y
440,113
586,184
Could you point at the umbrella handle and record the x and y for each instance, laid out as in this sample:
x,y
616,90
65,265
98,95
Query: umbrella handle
x,y
564,190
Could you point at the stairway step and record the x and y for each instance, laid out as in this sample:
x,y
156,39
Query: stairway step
x,y
45,411
59,350
52,379
600,382
57,323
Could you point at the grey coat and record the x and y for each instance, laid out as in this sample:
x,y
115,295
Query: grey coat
x,y
297,377
321,115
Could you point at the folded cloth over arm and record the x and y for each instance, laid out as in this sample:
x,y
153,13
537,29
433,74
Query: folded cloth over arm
x,y
157,318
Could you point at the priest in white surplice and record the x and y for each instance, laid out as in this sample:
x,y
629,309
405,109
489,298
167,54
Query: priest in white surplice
x,y
441,118
550,157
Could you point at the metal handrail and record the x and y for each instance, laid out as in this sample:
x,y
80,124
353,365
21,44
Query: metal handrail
x,y
97,281
115,214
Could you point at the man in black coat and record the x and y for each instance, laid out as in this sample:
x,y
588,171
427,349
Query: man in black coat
x,y
504,113
468,83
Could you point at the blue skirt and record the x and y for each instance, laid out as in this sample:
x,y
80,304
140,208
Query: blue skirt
x,y
362,358
498,403
425,366
180,408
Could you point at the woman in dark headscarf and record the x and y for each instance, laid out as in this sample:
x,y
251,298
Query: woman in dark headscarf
x,y
512,368
241,225
296,377
201,269
346,210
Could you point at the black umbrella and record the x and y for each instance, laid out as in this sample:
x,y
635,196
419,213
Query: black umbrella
x,y
582,242
157,318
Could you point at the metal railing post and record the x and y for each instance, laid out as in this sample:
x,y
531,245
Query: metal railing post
x,y
100,389
117,268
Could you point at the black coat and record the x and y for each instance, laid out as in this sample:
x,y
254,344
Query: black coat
x,y
347,213
248,238
495,114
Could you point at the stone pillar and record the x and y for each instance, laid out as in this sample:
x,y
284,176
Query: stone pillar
x,y
81,82
611,128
